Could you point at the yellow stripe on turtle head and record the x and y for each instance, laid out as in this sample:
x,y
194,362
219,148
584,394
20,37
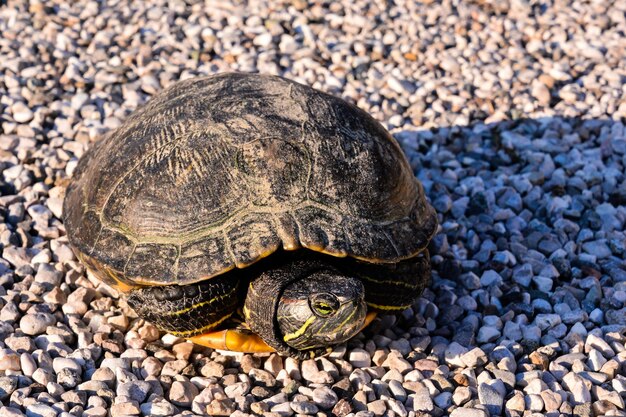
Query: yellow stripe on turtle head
x,y
300,331
251,288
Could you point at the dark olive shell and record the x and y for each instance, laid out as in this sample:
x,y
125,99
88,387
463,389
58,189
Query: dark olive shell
x,y
219,171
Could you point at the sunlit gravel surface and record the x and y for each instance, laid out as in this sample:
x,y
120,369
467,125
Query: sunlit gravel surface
x,y
512,114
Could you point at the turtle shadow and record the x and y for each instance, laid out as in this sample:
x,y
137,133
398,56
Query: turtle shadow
x,y
513,199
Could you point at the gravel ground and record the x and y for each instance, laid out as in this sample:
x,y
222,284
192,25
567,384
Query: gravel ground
x,y
512,114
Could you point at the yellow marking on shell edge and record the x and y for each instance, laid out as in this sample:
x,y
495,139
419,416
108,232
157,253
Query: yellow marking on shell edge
x,y
203,328
265,254
246,312
386,261
122,286
324,250
388,308
291,246
200,304
300,331
327,251
97,269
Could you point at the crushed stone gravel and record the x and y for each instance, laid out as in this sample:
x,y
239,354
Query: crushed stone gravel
x,y
511,113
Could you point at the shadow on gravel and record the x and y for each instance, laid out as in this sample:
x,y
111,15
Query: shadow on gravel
x,y
531,242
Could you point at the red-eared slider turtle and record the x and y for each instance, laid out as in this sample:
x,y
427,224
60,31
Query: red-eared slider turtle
x,y
254,194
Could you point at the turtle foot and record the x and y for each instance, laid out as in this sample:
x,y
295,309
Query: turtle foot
x,y
237,340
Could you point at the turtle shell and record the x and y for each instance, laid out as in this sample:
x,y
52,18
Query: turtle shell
x,y
220,171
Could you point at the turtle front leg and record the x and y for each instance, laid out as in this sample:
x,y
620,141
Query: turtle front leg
x,y
188,310
195,311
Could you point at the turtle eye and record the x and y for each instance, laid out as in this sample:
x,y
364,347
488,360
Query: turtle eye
x,y
324,304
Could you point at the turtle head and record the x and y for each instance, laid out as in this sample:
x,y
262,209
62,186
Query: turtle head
x,y
321,309
302,308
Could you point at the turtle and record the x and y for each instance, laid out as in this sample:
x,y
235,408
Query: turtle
x,y
252,213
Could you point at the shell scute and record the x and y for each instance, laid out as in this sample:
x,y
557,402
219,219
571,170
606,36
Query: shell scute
x,y
204,258
112,248
371,241
320,231
154,261
251,239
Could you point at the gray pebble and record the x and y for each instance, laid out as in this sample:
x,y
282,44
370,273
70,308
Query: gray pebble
x,y
182,393
21,113
135,390
158,408
324,397
468,412
422,401
359,358
10,412
8,384
27,364
40,410
58,364
304,407
491,398
34,324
